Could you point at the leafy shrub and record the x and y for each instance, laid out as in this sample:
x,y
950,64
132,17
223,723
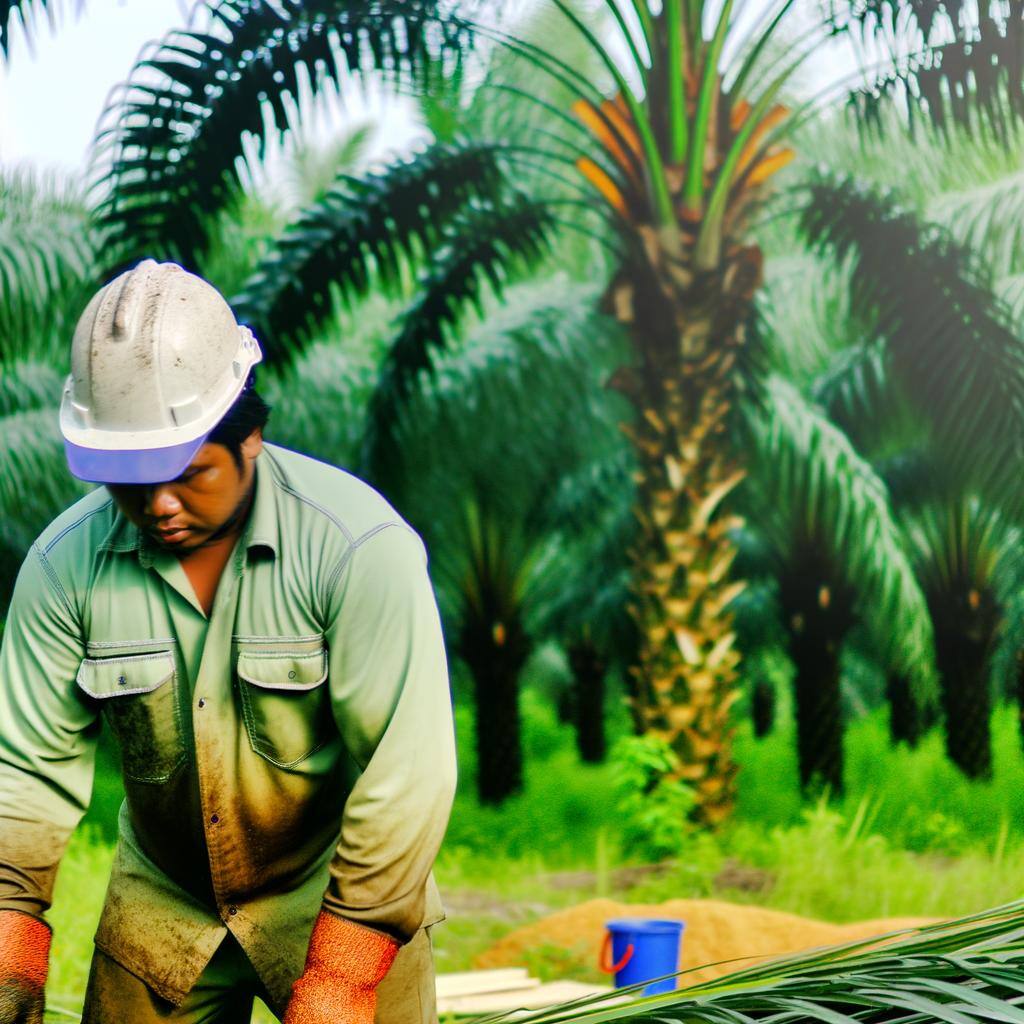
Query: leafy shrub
x,y
652,806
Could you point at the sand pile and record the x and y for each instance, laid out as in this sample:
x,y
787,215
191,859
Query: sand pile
x,y
715,930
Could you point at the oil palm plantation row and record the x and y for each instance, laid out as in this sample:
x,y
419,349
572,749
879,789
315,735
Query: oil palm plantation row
x,y
910,328
678,166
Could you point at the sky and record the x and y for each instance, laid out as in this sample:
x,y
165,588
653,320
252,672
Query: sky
x,y
51,97
50,101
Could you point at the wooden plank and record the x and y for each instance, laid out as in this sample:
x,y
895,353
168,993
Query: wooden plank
x,y
464,983
536,998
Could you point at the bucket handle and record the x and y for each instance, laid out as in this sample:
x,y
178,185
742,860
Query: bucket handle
x,y
604,964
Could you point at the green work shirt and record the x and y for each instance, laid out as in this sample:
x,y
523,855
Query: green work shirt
x,y
292,750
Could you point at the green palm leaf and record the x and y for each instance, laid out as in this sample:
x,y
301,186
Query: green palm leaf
x,y
484,246
963,972
166,158
947,337
486,438
859,395
823,494
46,264
35,484
958,62
319,402
25,386
362,232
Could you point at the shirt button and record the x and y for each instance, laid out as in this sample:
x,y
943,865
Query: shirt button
x,y
214,818
202,702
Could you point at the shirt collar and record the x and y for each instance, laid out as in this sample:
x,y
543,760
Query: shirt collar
x,y
261,528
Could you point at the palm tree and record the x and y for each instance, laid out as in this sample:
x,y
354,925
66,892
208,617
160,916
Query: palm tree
x,y
678,153
482,496
585,610
831,542
953,358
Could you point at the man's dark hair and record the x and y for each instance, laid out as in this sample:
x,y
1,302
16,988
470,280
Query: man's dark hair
x,y
248,413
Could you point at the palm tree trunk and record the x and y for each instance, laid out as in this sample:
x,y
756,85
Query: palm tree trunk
x,y
495,656
762,708
689,333
965,623
588,676
819,730
817,616
905,725
967,705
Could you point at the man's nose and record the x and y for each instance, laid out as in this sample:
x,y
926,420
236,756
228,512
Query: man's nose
x,y
161,502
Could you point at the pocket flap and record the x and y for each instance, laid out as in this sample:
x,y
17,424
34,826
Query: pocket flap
x,y
283,670
119,676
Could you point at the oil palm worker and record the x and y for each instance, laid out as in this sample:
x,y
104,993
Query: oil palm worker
x,y
260,633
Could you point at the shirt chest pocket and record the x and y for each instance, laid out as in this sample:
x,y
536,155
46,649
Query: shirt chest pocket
x,y
285,700
137,694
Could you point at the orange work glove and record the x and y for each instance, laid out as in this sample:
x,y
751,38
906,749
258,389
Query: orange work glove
x,y
24,960
345,964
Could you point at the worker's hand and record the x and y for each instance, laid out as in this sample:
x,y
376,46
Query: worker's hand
x,y
345,964
24,960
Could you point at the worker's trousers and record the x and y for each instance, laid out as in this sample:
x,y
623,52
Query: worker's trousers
x,y
225,991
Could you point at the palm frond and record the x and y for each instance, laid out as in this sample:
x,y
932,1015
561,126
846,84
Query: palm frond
x,y
35,484
859,395
25,386
314,169
823,494
46,264
318,403
953,972
502,419
955,62
165,157
28,13
946,335
987,217
484,245
360,233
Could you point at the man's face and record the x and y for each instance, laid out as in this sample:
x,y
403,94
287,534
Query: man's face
x,y
207,501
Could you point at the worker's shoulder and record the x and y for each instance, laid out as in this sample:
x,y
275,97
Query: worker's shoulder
x,y
329,500
80,529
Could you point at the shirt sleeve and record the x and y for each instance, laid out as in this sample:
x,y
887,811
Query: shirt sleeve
x,y
392,704
47,737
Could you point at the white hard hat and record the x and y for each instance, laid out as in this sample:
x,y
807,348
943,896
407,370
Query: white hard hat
x,y
157,359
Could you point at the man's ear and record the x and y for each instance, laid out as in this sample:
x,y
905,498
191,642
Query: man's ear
x,y
253,444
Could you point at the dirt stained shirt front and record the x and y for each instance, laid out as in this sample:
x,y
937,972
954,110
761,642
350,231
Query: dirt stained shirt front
x,y
291,751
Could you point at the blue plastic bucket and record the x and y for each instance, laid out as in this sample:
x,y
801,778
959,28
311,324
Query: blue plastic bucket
x,y
637,949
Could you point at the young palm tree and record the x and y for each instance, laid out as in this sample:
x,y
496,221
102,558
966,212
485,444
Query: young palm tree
x,y
482,497
838,557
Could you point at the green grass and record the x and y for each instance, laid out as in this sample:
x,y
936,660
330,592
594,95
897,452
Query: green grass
x,y
910,837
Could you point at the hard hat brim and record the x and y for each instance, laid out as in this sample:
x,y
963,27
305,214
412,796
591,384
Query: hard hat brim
x,y
131,466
